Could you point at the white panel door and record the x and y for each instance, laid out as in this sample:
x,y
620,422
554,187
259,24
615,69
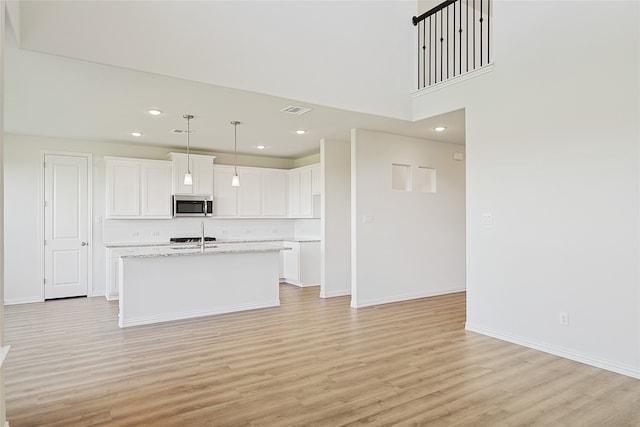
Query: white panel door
x,y
66,226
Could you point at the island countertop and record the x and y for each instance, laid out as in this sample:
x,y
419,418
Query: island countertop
x,y
126,244
212,248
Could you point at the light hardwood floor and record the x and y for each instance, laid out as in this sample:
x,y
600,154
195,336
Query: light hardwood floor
x,y
308,362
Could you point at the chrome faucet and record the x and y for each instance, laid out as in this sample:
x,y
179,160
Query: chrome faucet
x,y
202,240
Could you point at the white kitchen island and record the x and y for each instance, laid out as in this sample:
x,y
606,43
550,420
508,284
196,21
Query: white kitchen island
x,y
180,283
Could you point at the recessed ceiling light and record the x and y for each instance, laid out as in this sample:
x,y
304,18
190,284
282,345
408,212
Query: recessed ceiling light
x,y
154,112
136,133
301,131
440,128
260,147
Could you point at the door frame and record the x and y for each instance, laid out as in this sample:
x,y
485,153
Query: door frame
x,y
41,218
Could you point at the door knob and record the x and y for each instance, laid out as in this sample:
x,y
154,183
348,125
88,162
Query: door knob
x,y
83,243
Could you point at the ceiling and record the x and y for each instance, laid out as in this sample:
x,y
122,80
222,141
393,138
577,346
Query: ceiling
x,y
60,96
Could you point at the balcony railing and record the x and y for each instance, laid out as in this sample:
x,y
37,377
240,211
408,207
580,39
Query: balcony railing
x,y
454,38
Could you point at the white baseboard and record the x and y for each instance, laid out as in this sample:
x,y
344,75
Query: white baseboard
x,y
619,368
404,297
338,293
13,301
145,320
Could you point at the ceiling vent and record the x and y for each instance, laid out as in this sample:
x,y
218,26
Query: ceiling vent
x,y
292,109
179,131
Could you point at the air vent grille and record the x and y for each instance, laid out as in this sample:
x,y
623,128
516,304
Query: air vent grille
x,y
292,109
179,131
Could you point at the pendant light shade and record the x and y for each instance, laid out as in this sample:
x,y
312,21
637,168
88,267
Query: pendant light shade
x,y
188,180
235,181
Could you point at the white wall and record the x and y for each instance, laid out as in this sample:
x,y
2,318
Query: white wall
x,y
414,245
3,414
335,247
22,194
369,40
552,154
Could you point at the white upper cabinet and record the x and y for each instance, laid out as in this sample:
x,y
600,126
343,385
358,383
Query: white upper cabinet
x,y
274,193
155,190
250,192
224,195
301,191
138,188
306,200
201,168
262,192
316,182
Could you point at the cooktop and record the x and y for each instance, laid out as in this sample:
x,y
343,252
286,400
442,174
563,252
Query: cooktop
x,y
191,239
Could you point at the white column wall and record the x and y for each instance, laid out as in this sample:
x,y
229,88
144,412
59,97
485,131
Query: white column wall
x,y
552,155
3,413
414,245
335,246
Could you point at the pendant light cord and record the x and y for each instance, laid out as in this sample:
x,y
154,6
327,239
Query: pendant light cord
x,y
188,136
235,146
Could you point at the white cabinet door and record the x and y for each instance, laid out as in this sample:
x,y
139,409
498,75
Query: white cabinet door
x,y
156,190
249,192
202,174
123,188
224,195
316,183
113,271
291,262
201,168
138,188
179,170
274,193
294,194
306,200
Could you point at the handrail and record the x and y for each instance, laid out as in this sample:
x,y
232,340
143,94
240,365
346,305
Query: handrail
x,y
453,38
432,11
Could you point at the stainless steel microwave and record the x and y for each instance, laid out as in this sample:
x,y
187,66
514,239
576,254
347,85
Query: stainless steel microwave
x,y
192,205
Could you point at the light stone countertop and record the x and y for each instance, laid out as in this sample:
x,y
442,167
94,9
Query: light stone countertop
x,y
115,245
213,248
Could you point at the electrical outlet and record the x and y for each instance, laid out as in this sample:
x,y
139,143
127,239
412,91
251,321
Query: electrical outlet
x,y
155,234
135,234
564,318
274,230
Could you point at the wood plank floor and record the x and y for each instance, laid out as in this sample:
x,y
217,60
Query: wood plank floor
x,y
309,362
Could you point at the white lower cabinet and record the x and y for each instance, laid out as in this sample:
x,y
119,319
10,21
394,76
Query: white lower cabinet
x,y
301,263
111,291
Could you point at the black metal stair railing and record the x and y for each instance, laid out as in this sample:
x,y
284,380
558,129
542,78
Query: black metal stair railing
x,y
453,39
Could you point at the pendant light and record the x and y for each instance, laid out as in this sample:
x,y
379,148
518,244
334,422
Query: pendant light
x,y
188,180
235,181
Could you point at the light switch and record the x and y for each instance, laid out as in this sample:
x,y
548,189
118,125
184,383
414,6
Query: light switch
x,y
367,219
486,219
458,156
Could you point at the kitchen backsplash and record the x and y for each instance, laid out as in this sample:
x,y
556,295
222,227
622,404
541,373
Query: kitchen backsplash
x,y
162,230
